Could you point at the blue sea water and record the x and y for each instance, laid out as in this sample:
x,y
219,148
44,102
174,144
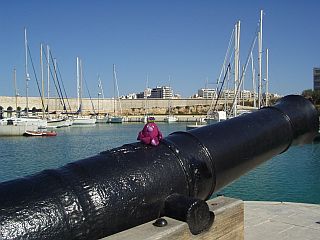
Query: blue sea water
x,y
292,176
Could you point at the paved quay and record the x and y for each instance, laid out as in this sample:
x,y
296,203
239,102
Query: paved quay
x,y
281,220
238,220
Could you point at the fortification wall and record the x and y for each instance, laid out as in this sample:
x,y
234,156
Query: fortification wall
x,y
129,106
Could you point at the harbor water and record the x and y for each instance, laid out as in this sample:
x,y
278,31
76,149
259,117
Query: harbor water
x,y
293,176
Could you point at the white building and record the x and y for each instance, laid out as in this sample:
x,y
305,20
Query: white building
x,y
207,93
161,92
129,96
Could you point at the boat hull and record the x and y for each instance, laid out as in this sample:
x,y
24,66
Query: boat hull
x,y
39,134
56,123
16,130
84,121
17,126
170,119
102,120
115,119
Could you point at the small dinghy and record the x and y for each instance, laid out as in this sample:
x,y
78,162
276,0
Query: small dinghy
x,y
40,133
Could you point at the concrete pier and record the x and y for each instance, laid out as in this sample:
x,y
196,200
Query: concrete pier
x,y
281,220
235,219
228,224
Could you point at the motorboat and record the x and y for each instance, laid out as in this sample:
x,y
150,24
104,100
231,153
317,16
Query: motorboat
x,y
170,119
15,127
115,119
40,133
83,120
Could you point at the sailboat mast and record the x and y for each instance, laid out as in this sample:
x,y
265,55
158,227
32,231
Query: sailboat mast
x,y
15,86
99,93
169,100
236,65
55,80
114,89
26,70
267,77
146,96
48,75
102,93
78,84
260,61
42,79
81,81
253,81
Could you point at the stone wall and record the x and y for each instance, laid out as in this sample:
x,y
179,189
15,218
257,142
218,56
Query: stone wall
x,y
129,106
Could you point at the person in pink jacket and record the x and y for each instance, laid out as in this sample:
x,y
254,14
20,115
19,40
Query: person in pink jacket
x,y
150,134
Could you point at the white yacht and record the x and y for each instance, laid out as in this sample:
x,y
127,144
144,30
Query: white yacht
x,y
16,126
68,122
56,122
170,119
144,119
115,119
102,119
84,120
81,119
216,116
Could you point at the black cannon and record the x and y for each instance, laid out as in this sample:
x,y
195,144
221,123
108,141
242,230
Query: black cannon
x,y
133,184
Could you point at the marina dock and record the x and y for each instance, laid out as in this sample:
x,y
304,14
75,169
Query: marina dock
x,y
236,219
281,220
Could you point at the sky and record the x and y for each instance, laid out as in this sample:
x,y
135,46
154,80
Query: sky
x,y
184,39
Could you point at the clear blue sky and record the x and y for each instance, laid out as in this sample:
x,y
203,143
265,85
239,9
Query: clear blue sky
x,y
183,38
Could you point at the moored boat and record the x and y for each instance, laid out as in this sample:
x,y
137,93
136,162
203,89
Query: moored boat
x,y
56,122
83,120
15,127
193,126
115,119
40,133
216,116
170,119
102,119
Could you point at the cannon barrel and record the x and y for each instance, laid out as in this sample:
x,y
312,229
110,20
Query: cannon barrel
x,y
135,183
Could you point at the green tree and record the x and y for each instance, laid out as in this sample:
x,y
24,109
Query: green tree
x,y
307,93
312,94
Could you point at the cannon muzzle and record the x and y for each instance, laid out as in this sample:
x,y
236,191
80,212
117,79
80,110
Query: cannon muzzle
x,y
133,184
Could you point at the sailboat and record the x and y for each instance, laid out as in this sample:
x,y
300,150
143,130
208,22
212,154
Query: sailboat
x,y
214,116
16,126
42,123
53,122
144,119
80,119
104,118
170,118
115,118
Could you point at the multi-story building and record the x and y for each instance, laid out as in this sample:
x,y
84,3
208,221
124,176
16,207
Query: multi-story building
x,y
246,94
129,96
316,78
227,94
145,94
161,92
207,93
